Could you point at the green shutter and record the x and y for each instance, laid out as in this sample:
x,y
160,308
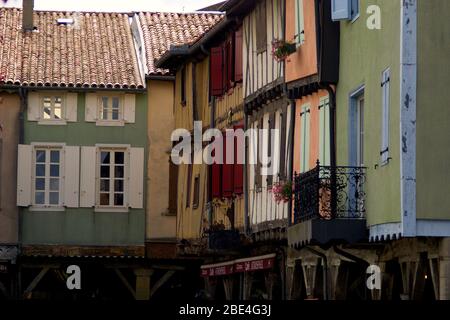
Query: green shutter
x,y
299,22
324,132
305,138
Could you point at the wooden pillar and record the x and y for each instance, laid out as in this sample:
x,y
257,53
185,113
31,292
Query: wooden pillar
x,y
444,269
247,290
332,280
434,274
309,274
143,283
228,287
409,267
290,271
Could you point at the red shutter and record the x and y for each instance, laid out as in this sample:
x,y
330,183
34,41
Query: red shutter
x,y
216,71
238,166
230,62
238,66
216,181
227,171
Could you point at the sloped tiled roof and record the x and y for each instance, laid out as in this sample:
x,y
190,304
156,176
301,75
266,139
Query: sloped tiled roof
x,y
96,51
161,30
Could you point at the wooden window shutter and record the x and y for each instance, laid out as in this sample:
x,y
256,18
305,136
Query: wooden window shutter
x,y
88,176
34,107
173,187
299,22
227,170
238,166
385,84
71,176
270,147
230,62
324,132
283,147
238,65
24,175
71,107
91,103
216,72
129,108
136,188
340,10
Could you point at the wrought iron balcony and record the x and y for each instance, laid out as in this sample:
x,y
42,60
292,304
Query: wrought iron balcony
x,y
328,193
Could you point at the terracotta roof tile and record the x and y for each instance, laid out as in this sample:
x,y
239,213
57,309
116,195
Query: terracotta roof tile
x,y
96,51
161,30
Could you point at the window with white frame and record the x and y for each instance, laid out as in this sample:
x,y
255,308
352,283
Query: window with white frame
x,y
112,166
47,177
110,108
52,107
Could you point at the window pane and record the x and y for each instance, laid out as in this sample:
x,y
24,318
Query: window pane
x,y
118,199
119,158
54,184
54,170
58,101
104,114
54,197
104,199
54,156
118,186
115,103
47,113
40,156
40,184
40,170
57,113
115,114
104,171
104,185
119,172
39,198
105,158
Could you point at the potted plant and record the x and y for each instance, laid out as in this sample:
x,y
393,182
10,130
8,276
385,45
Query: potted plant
x,y
281,49
282,191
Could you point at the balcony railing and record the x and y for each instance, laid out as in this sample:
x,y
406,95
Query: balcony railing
x,y
329,193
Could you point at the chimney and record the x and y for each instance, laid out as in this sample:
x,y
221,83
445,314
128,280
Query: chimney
x,y
27,15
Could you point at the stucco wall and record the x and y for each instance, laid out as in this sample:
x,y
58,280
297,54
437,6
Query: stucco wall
x,y
160,127
9,139
302,63
83,225
433,114
364,55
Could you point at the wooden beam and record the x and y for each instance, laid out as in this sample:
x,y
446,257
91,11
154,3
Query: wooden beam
x,y
125,282
161,281
167,267
36,280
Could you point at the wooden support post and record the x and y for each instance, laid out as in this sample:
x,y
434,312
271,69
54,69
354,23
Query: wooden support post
x,y
444,269
434,273
309,274
143,283
409,266
125,282
228,286
248,280
162,281
290,271
34,283
334,272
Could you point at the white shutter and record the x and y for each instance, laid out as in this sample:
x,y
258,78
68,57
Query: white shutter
x,y
385,84
304,139
91,104
136,181
129,110
88,176
24,175
34,107
340,10
71,176
71,107
299,22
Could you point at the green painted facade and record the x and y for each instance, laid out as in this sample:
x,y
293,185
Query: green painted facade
x,y
83,226
433,110
364,55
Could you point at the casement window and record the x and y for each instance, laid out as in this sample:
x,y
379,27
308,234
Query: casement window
x,y
227,168
344,9
324,131
299,22
260,150
50,108
48,176
305,138
385,87
270,147
196,199
113,176
261,27
283,134
110,109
